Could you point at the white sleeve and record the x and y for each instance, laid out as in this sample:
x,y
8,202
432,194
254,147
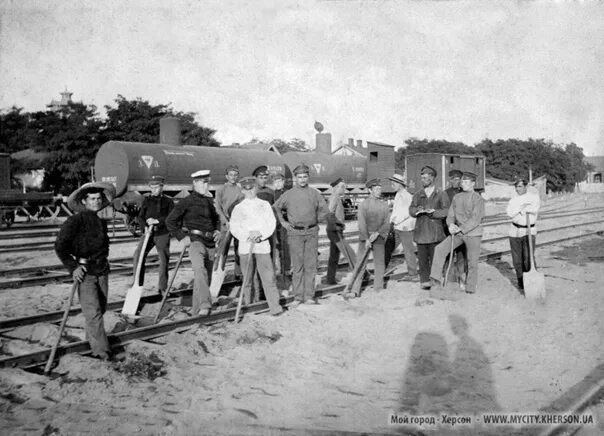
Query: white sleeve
x,y
237,225
267,220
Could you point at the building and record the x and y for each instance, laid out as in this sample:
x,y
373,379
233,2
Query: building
x,y
56,105
593,182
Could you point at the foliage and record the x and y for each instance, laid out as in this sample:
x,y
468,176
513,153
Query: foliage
x,y
415,146
14,128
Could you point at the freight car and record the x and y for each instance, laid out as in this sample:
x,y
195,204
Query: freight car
x,y
13,200
443,163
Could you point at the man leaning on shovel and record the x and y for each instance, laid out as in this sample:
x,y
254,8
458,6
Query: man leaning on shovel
x,y
464,221
155,209
83,246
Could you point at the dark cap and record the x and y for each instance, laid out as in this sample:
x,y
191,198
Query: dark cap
x,y
278,176
373,182
428,170
468,175
231,168
261,170
336,182
455,173
301,169
247,182
156,180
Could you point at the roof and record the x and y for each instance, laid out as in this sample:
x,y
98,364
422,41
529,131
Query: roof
x,y
596,161
356,150
381,144
29,154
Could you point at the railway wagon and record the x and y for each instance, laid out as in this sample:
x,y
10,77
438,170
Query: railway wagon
x,y
13,200
443,163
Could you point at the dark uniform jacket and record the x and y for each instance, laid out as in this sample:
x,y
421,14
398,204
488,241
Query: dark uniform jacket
x,y
429,229
266,194
158,207
195,212
451,193
84,236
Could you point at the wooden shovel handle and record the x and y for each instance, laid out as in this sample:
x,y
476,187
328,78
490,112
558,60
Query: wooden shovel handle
x,y
53,351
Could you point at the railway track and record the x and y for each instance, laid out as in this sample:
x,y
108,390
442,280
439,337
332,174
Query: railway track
x,y
148,332
31,276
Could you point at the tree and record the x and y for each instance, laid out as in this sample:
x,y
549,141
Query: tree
x,y
14,126
138,121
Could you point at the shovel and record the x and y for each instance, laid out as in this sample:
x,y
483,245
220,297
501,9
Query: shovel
x,y
134,293
218,272
354,285
534,281
51,358
246,279
169,288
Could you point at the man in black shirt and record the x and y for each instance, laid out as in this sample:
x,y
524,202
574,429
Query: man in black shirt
x,y
155,209
198,214
83,246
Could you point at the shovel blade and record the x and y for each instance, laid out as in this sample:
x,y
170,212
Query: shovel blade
x,y
132,299
216,281
534,284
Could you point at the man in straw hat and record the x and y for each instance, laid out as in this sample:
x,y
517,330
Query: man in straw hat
x,y
305,207
335,229
430,206
154,210
464,220
83,246
403,224
198,214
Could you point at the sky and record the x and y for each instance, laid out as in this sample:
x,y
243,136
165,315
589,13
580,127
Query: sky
x,y
377,70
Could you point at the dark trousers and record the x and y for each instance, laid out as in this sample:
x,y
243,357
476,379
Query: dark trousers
x,y
264,267
337,245
459,269
520,254
202,260
303,251
425,254
162,244
93,300
283,247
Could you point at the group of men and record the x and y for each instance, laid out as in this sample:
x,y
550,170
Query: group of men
x,y
264,220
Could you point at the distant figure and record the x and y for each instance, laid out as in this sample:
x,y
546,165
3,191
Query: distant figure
x,y
318,126
155,209
83,246
525,203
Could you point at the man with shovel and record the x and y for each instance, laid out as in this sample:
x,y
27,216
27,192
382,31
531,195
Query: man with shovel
x,y
335,232
525,203
198,214
464,221
253,221
155,209
83,246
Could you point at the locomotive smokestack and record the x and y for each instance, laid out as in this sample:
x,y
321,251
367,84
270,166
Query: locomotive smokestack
x,y
169,131
323,143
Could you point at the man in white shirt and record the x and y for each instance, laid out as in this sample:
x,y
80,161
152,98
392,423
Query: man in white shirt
x,y
523,205
253,220
403,224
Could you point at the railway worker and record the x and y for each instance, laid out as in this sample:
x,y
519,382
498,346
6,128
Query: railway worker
x,y
374,225
82,245
523,205
305,207
264,192
227,196
464,221
198,214
253,220
403,223
155,209
335,231
429,206
282,246
460,260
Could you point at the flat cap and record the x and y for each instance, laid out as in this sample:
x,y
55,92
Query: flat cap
x,y
373,182
428,170
201,174
231,168
336,182
260,171
455,173
468,175
397,178
247,182
301,169
156,180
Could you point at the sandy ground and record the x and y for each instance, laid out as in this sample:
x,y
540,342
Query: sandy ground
x,y
344,366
